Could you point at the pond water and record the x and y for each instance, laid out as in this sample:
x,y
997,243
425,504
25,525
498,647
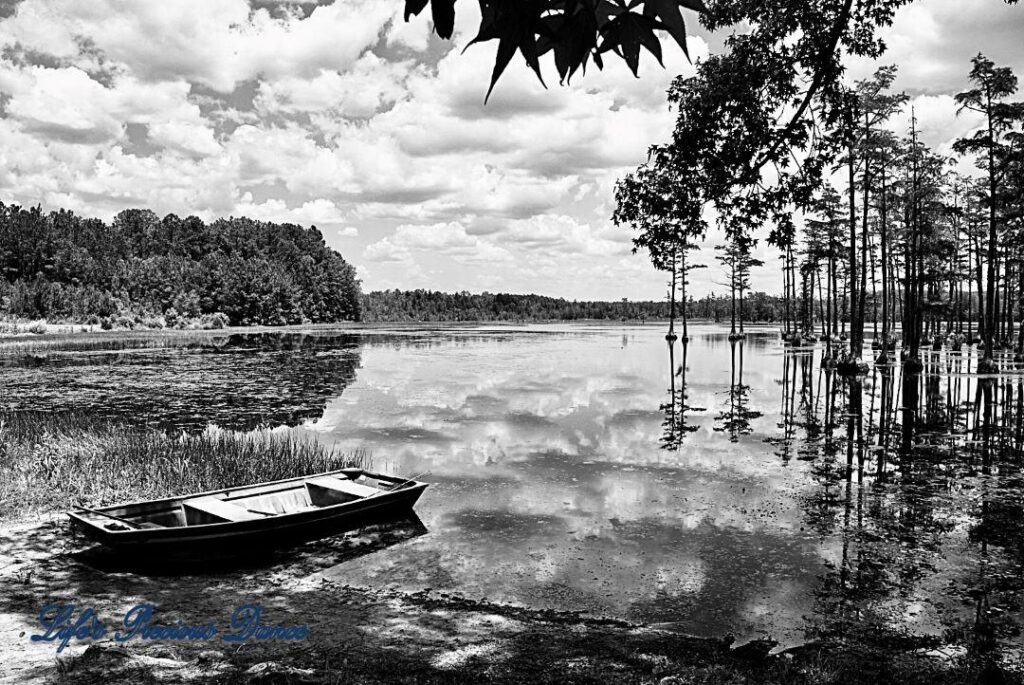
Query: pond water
x,y
713,488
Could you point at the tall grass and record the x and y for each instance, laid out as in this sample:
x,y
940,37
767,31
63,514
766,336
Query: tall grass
x,y
51,462
103,342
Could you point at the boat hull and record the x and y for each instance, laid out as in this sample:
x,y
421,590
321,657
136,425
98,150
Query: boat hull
x,y
231,538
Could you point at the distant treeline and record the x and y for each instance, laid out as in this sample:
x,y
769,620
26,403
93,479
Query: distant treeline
x,y
428,305
171,271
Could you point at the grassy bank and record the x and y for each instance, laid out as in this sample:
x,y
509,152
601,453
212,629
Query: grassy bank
x,y
205,322
50,462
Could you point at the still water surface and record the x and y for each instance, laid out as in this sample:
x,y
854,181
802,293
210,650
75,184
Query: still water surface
x,y
590,468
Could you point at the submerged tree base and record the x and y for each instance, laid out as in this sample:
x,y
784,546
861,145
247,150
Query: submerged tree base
x,y
988,365
852,367
913,364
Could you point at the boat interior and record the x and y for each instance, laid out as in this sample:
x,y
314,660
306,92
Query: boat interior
x,y
241,504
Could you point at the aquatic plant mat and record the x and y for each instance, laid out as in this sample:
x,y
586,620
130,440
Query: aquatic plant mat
x,y
55,461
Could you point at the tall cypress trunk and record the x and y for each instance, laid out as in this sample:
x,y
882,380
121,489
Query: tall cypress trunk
x,y
1007,299
821,300
672,300
682,289
732,293
1020,330
970,291
956,263
874,294
855,350
785,287
990,293
861,308
885,266
834,330
908,266
741,300
982,311
830,278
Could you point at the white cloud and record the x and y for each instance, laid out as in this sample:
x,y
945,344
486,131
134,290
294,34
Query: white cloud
x,y
345,116
934,41
217,44
447,239
370,85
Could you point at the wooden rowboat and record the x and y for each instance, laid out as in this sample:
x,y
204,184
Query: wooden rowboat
x,y
250,519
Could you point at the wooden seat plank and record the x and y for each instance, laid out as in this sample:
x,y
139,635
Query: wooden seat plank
x,y
220,509
344,486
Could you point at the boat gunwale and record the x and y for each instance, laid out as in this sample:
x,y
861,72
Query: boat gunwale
x,y
187,539
178,498
169,531
204,531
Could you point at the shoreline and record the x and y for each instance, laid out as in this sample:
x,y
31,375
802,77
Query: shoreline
x,y
62,330
382,634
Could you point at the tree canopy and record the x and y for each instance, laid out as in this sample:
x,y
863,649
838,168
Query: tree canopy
x,y
171,271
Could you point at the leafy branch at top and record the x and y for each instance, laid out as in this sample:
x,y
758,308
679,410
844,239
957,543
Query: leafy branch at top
x,y
575,31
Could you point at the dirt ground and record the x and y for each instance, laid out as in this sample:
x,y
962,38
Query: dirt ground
x,y
376,634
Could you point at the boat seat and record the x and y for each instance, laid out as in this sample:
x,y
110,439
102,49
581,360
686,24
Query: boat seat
x,y
219,509
344,485
327,490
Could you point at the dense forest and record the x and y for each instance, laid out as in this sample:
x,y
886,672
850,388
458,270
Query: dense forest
x,y
427,305
141,269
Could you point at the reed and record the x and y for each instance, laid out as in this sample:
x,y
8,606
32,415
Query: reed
x,y
51,462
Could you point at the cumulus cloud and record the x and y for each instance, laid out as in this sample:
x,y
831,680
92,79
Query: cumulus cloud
x,y
933,43
443,239
215,44
343,115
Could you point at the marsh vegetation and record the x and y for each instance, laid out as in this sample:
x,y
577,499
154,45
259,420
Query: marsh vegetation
x,y
52,462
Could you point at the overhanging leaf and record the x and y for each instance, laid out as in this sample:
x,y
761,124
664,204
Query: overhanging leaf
x,y
572,30
626,33
443,13
671,17
414,7
516,24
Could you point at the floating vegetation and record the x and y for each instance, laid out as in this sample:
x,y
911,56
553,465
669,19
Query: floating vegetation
x,y
239,382
54,461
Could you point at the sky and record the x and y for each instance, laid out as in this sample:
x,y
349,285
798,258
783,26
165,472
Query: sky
x,y
344,116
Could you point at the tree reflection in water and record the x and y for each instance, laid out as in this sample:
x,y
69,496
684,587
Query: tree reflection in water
x,y
918,477
915,477
735,418
674,424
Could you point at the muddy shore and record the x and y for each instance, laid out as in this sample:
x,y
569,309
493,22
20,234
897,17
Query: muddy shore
x,y
359,634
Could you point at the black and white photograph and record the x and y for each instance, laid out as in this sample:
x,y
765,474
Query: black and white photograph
x,y
647,342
